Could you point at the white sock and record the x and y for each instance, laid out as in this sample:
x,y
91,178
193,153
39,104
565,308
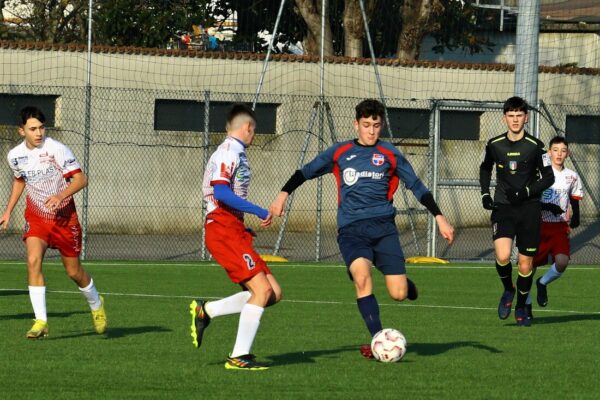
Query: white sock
x,y
229,305
37,295
551,275
91,295
249,323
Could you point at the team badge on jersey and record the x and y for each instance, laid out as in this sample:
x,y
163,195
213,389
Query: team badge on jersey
x,y
378,160
512,165
546,160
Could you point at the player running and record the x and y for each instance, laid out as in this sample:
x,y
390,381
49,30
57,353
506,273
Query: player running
x,y
556,224
368,172
520,159
51,174
225,189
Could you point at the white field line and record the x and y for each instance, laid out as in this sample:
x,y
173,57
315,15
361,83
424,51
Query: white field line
x,y
310,301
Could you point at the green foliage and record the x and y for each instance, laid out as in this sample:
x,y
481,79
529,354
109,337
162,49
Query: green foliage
x,y
463,26
149,23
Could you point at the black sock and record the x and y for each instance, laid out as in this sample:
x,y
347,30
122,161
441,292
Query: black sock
x,y
523,288
369,309
505,274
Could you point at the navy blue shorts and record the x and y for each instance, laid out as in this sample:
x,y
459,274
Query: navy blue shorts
x,y
375,239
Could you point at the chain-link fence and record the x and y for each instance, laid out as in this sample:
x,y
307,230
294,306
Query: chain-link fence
x,y
144,198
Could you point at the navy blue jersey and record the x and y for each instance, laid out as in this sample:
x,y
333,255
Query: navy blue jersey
x,y
367,178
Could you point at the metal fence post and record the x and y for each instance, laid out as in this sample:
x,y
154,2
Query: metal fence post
x,y
205,156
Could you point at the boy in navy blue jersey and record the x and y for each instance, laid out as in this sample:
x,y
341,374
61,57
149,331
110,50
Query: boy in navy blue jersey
x,y
368,172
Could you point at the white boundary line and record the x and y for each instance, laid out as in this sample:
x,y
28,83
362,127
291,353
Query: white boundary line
x,y
307,301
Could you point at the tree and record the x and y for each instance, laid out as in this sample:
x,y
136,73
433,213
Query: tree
x,y
354,27
53,21
150,23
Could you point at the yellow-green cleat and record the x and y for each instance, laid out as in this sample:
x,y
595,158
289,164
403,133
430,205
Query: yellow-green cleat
x,y
38,330
246,363
200,320
99,318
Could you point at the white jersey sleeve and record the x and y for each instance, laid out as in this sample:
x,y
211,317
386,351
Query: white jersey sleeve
x,y
576,187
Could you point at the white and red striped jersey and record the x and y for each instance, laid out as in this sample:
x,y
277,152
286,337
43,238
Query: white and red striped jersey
x,y
567,186
46,170
228,165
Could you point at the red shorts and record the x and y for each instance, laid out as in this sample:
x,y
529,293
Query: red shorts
x,y
65,236
554,239
231,246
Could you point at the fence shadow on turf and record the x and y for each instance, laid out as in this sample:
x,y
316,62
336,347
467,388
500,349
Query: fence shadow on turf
x,y
559,319
30,315
116,332
434,349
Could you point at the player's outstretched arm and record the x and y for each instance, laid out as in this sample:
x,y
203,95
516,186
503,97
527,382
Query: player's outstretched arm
x,y
277,207
446,230
17,190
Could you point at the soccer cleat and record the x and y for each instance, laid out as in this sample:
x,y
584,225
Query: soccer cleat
x,y
200,320
99,318
366,351
528,310
521,317
38,330
505,304
247,362
413,293
542,293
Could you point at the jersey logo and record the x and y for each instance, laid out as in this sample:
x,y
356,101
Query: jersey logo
x,y
546,160
350,157
378,160
350,176
512,165
249,261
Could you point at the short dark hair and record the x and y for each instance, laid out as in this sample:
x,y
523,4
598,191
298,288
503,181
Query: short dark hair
x,y
240,109
30,112
557,140
370,108
516,103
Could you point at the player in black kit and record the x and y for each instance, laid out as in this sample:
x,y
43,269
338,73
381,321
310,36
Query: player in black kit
x,y
523,172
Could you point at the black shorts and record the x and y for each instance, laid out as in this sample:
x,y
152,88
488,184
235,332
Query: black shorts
x,y
375,239
522,221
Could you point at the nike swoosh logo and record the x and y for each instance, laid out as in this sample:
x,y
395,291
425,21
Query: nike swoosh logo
x,y
350,157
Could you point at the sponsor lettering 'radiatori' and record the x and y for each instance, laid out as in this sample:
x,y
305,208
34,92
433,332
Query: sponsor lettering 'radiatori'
x,y
351,176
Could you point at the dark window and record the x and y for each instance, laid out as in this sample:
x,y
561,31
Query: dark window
x,y
583,129
178,115
11,104
460,125
409,123
188,115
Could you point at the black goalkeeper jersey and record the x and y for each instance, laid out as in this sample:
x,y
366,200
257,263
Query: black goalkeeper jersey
x,y
521,164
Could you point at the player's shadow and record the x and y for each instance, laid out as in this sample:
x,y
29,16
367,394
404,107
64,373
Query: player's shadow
x,y
50,315
16,292
559,319
308,357
116,332
434,349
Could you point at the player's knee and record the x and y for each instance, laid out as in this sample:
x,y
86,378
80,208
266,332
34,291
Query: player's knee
x,y
34,263
398,294
275,297
503,259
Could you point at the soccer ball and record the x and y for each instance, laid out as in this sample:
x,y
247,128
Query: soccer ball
x,y
388,345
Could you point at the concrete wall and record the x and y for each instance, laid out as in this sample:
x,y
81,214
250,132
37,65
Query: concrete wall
x,y
147,181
